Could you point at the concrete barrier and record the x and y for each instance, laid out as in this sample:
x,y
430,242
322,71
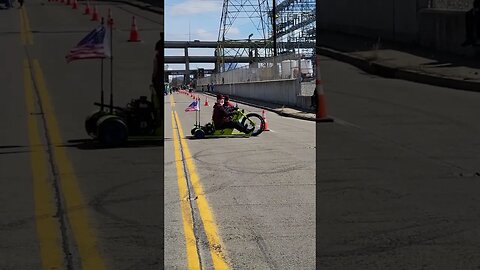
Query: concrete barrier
x,y
278,91
282,92
411,22
305,102
388,19
443,30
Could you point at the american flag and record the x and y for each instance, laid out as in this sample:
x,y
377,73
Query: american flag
x,y
94,45
194,106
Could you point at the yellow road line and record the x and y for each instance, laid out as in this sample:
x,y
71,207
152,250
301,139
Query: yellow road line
x,y
45,210
215,242
28,30
190,240
76,208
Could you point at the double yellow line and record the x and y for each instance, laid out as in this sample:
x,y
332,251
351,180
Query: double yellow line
x,y
185,163
25,31
45,210
47,224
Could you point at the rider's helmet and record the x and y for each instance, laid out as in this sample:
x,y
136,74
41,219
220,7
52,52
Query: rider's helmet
x,y
220,99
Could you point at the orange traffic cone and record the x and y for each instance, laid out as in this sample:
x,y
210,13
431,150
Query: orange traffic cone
x,y
321,110
206,102
134,32
74,5
95,14
264,115
87,9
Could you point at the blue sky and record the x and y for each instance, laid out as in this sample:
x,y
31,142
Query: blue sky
x,y
194,19
199,19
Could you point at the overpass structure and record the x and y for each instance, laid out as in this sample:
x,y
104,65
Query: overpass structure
x,y
183,72
253,44
178,72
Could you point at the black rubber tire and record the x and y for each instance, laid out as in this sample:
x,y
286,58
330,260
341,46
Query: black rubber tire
x,y
112,131
193,130
199,134
91,123
256,131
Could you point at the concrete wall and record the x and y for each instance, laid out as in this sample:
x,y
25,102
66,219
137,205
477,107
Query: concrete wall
x,y
406,21
284,92
304,102
443,30
389,19
279,91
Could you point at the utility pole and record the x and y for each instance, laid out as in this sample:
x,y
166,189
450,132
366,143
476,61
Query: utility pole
x,y
274,27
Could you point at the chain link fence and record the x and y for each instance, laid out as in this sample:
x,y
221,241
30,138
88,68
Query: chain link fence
x,y
275,68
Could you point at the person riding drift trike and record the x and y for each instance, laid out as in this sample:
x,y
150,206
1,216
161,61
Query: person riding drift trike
x,y
227,119
223,117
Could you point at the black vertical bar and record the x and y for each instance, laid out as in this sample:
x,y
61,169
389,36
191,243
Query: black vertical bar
x,y
111,68
394,18
102,101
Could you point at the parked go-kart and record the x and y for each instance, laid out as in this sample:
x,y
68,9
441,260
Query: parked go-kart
x,y
139,120
251,120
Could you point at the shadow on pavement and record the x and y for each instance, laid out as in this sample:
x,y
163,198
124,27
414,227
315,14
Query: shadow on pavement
x,y
216,137
350,43
89,144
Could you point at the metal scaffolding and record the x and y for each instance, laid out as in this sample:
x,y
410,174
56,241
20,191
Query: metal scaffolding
x,y
252,14
294,21
296,24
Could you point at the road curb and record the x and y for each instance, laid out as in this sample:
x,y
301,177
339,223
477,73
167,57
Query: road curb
x,y
387,71
251,103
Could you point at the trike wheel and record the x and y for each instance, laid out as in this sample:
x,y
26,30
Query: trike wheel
x,y
199,134
91,123
112,131
256,121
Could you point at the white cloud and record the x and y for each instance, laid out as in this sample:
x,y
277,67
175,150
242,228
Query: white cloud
x,y
190,7
233,31
203,34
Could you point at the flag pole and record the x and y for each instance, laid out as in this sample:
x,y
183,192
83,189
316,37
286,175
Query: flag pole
x,y
102,102
111,66
196,117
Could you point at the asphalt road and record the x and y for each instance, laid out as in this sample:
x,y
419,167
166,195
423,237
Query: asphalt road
x,y
397,174
259,190
65,202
